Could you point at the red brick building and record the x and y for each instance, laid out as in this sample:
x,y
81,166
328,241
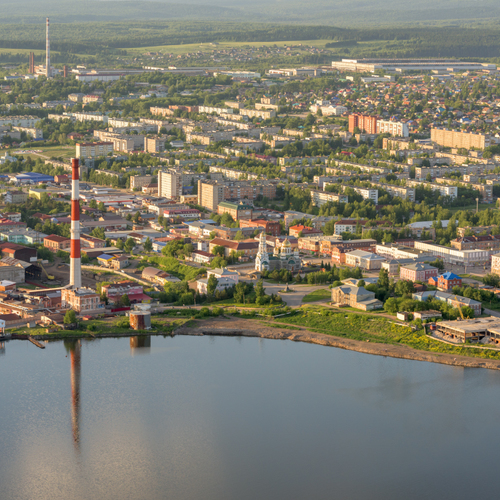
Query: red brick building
x,y
55,243
418,272
301,231
447,281
270,227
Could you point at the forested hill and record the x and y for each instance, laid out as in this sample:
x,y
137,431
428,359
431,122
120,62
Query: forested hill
x,y
329,12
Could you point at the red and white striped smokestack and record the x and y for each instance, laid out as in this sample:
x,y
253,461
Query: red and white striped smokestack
x,y
75,279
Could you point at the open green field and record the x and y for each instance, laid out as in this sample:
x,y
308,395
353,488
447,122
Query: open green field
x,y
319,295
209,47
370,328
47,152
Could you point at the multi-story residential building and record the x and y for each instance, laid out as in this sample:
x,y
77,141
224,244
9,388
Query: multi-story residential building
x,y
31,132
486,242
462,140
405,193
419,271
495,264
264,114
154,144
237,211
366,193
301,231
181,213
82,300
444,190
214,110
269,227
211,193
16,197
19,121
138,181
93,149
393,128
348,225
320,198
363,122
170,184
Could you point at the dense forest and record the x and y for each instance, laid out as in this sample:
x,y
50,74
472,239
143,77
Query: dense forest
x,y
69,41
332,12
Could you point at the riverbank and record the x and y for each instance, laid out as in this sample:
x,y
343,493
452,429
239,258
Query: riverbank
x,y
284,329
258,328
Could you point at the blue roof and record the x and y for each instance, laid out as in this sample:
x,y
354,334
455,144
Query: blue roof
x,y
450,276
105,256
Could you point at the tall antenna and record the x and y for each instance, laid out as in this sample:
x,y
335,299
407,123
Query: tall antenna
x,y
47,50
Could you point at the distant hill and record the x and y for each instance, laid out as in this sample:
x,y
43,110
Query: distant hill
x,y
330,12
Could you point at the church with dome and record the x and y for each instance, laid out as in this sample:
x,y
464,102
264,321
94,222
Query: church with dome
x,y
283,258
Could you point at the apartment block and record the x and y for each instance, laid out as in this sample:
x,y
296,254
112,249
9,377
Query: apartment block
x,y
398,191
93,149
237,211
366,193
213,109
465,140
444,190
154,144
138,181
363,122
320,198
264,114
210,194
394,128
170,184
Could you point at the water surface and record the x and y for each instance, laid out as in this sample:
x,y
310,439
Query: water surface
x,y
241,418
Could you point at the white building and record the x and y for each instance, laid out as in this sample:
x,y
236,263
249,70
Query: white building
x,y
393,128
320,198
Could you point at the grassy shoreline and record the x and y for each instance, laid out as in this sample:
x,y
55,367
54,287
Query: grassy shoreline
x,y
311,322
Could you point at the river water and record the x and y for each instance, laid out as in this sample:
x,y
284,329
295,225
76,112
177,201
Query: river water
x,y
241,418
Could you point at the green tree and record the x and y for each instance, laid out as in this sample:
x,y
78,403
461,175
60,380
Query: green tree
x,y
129,245
101,207
239,236
148,245
383,278
212,284
124,300
70,317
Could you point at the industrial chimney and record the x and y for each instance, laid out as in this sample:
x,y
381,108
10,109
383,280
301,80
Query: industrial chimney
x,y
32,63
75,279
47,50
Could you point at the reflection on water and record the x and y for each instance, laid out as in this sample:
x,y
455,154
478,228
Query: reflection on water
x,y
74,348
2,348
140,344
226,418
